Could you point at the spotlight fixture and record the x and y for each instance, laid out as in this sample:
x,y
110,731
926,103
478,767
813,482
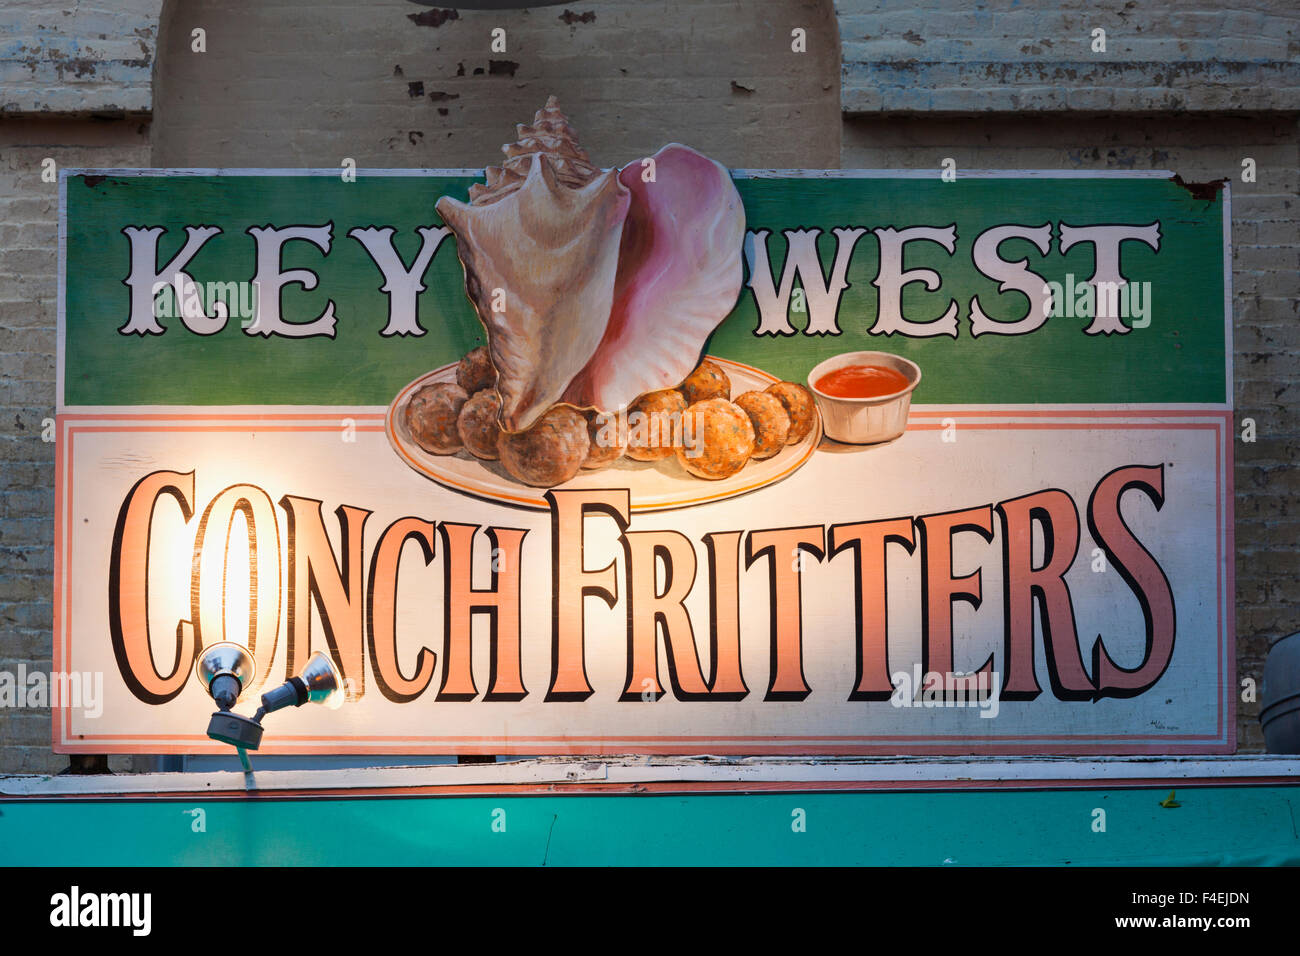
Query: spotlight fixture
x,y
318,683
225,669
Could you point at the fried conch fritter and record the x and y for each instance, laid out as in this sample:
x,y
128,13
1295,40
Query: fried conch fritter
x,y
717,439
707,381
654,423
607,432
799,405
550,452
770,420
431,416
475,371
478,426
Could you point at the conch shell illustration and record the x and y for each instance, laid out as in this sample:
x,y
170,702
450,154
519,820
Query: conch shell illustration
x,y
595,286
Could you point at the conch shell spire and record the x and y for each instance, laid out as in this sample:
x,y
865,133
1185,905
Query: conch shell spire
x,y
595,285
550,134
539,242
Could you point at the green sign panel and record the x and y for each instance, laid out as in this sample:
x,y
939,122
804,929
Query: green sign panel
x,y
1171,347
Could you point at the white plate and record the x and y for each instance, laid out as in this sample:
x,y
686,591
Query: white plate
x,y
654,486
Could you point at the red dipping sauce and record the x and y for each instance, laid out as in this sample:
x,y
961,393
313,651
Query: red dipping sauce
x,y
862,381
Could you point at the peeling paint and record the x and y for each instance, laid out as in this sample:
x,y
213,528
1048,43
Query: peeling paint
x,y
433,18
502,67
81,66
438,96
1206,192
569,17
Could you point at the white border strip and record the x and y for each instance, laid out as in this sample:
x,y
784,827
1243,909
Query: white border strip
x,y
1057,772
60,319
1229,318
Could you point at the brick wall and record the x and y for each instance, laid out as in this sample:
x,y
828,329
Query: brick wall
x,y
1043,55
281,83
28,311
77,58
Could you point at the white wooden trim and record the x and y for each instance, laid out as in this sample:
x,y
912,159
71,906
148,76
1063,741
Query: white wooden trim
x,y
962,771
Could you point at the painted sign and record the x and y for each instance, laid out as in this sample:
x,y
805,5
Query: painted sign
x,y
989,511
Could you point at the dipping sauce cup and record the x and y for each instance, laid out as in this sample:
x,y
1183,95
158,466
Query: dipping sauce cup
x,y
865,421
